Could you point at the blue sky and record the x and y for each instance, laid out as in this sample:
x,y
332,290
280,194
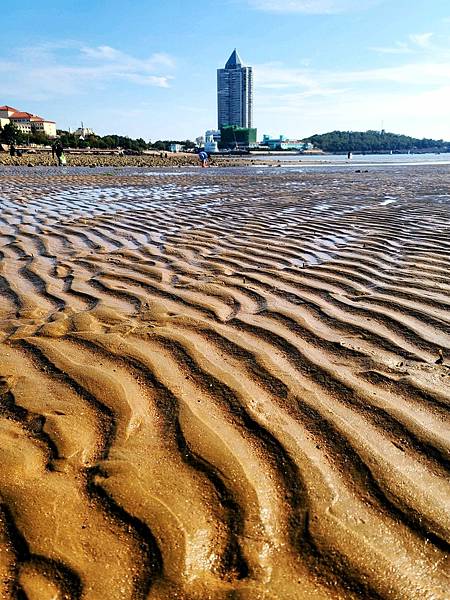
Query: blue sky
x,y
148,68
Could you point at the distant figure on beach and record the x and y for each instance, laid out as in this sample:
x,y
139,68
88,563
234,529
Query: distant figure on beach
x,y
350,156
53,150
59,151
12,150
203,158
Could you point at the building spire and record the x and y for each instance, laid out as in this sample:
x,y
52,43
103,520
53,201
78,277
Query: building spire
x,y
234,61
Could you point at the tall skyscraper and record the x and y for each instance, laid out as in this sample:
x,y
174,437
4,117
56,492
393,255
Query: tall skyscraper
x,y
235,93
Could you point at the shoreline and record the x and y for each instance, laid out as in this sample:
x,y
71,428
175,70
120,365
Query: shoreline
x,y
176,161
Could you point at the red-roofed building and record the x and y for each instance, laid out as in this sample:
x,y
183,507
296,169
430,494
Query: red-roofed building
x,y
26,122
6,111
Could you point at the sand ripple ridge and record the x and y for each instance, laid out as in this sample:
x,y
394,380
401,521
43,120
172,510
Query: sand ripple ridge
x,y
225,384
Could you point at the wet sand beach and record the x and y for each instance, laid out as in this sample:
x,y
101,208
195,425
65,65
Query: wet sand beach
x,y
229,384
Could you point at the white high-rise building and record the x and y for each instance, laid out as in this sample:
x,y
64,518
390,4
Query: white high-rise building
x,y
235,93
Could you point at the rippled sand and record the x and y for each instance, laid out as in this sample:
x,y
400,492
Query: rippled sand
x,y
225,385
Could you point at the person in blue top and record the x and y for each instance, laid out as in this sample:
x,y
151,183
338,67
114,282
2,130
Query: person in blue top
x,y
203,158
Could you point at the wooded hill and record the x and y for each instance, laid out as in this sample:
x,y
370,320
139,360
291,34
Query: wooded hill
x,y
375,141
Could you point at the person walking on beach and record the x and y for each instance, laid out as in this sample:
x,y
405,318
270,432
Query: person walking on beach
x,y
203,158
59,151
12,150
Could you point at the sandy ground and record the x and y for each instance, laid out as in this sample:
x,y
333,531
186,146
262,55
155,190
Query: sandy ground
x,y
224,384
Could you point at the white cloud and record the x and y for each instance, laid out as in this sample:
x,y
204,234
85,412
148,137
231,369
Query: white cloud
x,y
278,76
401,112
421,39
101,52
417,42
411,98
67,68
112,55
397,48
414,74
312,6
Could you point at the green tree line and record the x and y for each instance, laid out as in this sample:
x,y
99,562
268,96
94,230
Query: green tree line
x,y
374,141
10,134
113,141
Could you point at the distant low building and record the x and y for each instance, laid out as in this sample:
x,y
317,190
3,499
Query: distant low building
x,y
282,143
83,131
26,122
214,133
211,146
233,137
176,147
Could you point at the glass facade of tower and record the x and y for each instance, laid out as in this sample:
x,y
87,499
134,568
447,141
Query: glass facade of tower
x,y
235,93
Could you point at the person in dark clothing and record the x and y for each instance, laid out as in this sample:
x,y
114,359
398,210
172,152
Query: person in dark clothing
x,y
12,150
59,151
203,158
